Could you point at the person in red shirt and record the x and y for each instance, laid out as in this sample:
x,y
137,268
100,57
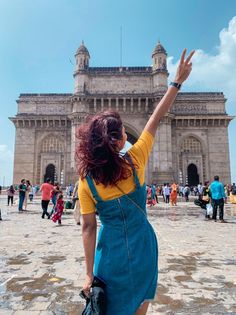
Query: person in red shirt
x,y
46,189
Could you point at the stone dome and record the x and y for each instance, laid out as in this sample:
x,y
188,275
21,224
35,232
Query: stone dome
x,y
82,49
159,49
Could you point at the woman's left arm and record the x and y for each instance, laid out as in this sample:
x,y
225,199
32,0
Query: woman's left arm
x,y
89,231
183,71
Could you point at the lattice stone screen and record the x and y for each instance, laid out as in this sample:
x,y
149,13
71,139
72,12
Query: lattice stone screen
x,y
191,145
52,144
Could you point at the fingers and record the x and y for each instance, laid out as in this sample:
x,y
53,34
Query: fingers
x,y
190,56
183,55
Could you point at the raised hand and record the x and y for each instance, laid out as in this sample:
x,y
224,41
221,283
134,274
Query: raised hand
x,y
184,68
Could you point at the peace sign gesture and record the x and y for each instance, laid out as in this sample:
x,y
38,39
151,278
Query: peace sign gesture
x,y
184,67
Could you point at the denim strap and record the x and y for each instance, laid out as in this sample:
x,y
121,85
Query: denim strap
x,y
93,189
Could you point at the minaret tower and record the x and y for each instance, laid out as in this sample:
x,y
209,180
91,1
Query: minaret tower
x,y
79,100
163,145
81,69
160,73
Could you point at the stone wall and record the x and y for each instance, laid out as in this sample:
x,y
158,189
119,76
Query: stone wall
x,y
219,161
24,161
120,84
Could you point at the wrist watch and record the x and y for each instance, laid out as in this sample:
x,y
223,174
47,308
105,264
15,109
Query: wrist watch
x,y
175,84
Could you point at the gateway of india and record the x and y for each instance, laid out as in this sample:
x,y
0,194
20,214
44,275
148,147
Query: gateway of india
x,y
191,143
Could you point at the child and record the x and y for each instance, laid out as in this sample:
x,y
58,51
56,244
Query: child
x,y
58,209
150,197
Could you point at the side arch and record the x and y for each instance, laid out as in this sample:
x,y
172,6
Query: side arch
x,y
132,133
51,150
192,151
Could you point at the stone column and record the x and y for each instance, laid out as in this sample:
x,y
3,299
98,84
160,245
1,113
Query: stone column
x,y
124,104
218,152
117,104
132,105
77,117
95,104
24,164
146,105
139,105
162,152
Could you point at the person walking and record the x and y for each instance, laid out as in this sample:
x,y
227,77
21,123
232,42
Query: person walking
x,y
10,195
166,193
157,193
22,190
233,194
28,189
58,209
186,192
199,189
54,193
217,199
174,194
46,189
76,207
113,185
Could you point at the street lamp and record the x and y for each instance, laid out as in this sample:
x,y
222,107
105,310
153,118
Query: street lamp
x,y
62,177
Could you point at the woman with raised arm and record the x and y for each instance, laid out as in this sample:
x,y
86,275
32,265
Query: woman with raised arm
x,y
111,184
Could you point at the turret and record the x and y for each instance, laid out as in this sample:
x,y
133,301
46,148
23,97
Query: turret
x,y
160,73
82,64
82,57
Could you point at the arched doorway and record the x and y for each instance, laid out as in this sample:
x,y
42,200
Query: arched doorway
x,y
130,138
50,150
50,173
192,161
193,176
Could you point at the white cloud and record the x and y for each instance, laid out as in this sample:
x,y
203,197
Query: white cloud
x,y
6,162
214,72
5,153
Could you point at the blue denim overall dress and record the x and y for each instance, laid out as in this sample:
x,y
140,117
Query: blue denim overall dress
x,y
126,253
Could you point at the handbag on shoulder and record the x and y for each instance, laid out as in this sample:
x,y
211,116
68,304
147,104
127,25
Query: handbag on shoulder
x,y
206,198
96,302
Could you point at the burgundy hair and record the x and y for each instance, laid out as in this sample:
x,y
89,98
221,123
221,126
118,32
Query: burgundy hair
x,y
97,153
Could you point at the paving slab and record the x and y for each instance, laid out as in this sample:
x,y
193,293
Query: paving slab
x,y
42,264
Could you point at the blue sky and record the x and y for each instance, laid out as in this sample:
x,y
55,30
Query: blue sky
x,y
38,39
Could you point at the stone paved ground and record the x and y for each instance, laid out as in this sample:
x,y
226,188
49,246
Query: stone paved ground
x,y
41,264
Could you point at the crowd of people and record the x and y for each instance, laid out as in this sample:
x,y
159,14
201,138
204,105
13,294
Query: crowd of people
x,y
170,194
49,192
210,196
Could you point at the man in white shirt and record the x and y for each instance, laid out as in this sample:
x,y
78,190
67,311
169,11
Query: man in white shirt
x,y
166,193
199,188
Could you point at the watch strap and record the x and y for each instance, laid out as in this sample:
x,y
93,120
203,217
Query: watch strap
x,y
175,84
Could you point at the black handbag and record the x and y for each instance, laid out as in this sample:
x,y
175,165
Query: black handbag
x,y
96,302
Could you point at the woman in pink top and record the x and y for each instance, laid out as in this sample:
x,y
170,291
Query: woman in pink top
x,y
46,189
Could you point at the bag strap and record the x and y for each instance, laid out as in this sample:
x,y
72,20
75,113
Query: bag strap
x,y
134,202
136,179
93,188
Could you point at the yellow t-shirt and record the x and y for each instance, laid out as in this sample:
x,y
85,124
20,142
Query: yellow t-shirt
x,y
139,153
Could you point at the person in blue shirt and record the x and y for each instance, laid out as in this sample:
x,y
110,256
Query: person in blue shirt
x,y
217,198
